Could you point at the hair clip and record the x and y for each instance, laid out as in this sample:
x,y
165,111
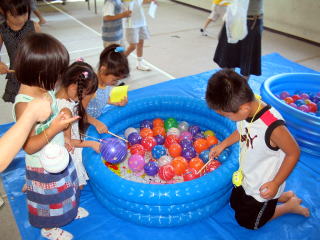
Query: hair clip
x,y
119,49
80,59
85,74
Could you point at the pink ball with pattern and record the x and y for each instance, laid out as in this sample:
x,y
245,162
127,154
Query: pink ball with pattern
x,y
136,162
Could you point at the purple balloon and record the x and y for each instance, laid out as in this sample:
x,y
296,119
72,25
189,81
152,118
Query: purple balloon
x,y
159,139
113,150
151,168
293,105
185,143
186,135
188,153
199,135
134,138
146,124
284,94
194,130
304,96
303,108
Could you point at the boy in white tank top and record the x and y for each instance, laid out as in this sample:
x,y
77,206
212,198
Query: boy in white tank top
x,y
268,152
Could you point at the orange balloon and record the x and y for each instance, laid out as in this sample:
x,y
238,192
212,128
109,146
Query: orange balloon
x,y
158,122
179,165
196,163
200,145
175,149
212,140
146,132
159,131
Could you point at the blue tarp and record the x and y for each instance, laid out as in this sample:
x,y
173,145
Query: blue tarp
x,y
100,224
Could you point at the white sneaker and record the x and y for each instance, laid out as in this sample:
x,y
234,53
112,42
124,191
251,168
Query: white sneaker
x,y
82,213
203,32
142,67
56,234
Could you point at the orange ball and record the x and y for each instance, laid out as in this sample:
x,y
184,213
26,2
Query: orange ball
x,y
175,150
179,165
158,122
146,132
212,140
159,131
200,145
196,163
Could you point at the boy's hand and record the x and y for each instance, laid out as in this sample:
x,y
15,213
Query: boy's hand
x,y
268,190
127,13
101,127
215,151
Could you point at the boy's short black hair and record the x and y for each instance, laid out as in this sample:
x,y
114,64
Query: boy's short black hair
x,y
40,61
15,7
227,91
115,62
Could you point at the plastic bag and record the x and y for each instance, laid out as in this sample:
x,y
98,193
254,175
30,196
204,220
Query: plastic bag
x,y
236,20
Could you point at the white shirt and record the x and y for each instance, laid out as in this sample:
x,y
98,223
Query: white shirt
x,y
260,162
108,9
137,18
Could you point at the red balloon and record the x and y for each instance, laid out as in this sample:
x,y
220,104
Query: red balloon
x,y
175,150
171,139
200,145
196,163
190,173
137,149
179,165
166,172
148,143
213,165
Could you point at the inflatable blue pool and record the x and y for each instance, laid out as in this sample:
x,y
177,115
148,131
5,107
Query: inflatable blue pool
x,y
162,205
304,127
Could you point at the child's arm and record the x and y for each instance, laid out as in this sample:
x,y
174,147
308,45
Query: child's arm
x,y
15,137
67,137
37,27
100,126
81,144
233,138
3,67
281,138
34,142
108,13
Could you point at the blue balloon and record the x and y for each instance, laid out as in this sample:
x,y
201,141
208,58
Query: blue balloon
x,y
204,156
151,168
158,151
113,150
146,124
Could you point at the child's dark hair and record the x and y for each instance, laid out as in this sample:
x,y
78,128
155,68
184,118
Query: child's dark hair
x,y
15,7
81,74
227,91
40,61
115,61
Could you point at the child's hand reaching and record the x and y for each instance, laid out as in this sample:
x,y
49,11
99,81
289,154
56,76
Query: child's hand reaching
x,y
122,103
62,121
215,151
68,145
127,13
95,146
268,190
100,127
4,69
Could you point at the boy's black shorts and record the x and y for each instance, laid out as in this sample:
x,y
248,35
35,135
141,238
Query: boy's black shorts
x,y
249,212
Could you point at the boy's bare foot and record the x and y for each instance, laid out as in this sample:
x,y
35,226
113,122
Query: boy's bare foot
x,y
286,196
24,188
295,207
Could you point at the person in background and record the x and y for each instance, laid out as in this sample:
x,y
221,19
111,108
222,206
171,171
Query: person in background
x,y
112,31
37,12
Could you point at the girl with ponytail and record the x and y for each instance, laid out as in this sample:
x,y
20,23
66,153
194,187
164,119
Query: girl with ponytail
x,y
79,83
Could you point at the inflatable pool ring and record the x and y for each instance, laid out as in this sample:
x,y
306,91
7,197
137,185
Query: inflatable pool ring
x,y
304,127
163,205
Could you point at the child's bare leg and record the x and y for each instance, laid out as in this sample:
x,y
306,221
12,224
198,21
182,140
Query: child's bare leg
x,y
209,20
286,196
130,49
140,48
39,15
291,206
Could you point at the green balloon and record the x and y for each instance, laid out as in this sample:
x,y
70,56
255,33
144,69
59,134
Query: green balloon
x,y
170,123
